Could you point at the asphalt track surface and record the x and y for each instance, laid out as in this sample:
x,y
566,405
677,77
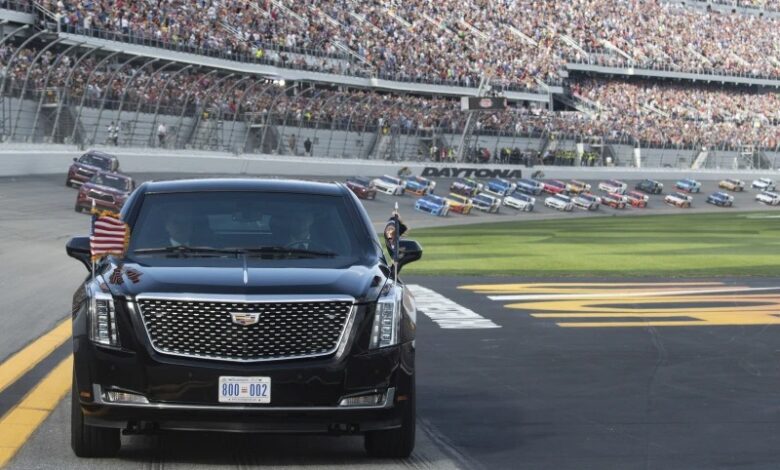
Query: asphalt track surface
x,y
611,375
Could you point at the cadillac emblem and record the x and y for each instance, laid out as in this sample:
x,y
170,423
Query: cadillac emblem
x,y
244,318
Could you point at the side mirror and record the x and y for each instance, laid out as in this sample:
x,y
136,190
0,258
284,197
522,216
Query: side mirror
x,y
75,159
78,248
408,252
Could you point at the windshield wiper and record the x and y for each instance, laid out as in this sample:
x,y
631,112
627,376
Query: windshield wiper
x,y
187,250
283,250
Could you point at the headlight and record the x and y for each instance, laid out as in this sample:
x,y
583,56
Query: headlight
x,y
387,319
102,319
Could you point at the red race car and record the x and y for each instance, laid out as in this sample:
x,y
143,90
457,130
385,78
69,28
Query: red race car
x,y
554,187
637,199
362,187
85,167
108,191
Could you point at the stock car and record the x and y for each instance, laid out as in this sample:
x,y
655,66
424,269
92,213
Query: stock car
x,y
529,186
720,199
520,201
763,184
688,185
576,186
500,187
362,187
650,186
559,202
466,187
587,202
389,185
107,191
84,168
732,184
613,187
486,203
769,198
419,186
637,198
615,200
554,186
678,199
432,204
460,204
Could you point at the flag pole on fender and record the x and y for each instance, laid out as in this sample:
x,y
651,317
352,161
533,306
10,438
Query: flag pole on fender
x,y
93,214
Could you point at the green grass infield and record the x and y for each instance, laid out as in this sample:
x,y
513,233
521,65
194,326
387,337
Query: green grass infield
x,y
679,245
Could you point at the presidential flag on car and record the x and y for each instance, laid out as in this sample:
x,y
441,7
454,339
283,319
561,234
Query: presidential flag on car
x,y
109,235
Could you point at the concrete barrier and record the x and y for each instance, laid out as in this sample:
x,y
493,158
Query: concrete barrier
x,y
39,160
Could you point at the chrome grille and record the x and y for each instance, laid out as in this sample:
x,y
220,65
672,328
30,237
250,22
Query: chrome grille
x,y
100,196
284,329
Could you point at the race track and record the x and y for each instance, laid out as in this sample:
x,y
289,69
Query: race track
x,y
616,374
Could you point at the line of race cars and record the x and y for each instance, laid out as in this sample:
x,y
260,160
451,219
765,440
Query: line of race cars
x,y
102,186
466,194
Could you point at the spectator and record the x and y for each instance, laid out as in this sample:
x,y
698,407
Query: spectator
x,y
162,133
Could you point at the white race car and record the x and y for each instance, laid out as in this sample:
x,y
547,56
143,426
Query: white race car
x,y
389,185
586,202
559,202
679,199
764,184
613,187
520,201
769,198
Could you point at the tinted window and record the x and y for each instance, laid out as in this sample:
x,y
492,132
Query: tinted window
x,y
95,160
116,182
249,220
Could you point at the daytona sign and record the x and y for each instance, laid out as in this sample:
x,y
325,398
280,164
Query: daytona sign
x,y
454,172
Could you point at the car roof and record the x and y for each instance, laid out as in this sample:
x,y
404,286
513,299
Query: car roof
x,y
98,153
244,184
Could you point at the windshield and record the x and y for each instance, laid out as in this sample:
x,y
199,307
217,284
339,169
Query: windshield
x,y
457,199
246,220
94,160
112,181
360,181
389,179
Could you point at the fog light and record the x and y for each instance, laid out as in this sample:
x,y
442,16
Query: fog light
x,y
113,396
363,400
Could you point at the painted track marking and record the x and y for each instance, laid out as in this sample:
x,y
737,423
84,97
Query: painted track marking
x,y
21,362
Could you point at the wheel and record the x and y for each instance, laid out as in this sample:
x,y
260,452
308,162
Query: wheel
x,y
90,441
395,443
77,208
68,184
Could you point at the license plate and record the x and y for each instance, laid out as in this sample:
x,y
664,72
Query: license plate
x,y
244,390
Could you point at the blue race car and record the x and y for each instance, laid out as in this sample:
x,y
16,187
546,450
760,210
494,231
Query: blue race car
x,y
721,199
433,205
688,185
419,186
532,187
500,187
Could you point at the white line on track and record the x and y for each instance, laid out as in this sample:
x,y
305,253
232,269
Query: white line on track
x,y
612,295
447,313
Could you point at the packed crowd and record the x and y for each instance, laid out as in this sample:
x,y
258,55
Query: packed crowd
x,y
516,42
654,113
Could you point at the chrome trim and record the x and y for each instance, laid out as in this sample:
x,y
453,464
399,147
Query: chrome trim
x,y
341,343
97,392
245,298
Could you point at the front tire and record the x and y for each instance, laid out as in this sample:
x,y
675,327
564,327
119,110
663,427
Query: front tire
x,y
90,441
395,443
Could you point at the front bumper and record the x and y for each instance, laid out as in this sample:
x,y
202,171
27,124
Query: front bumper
x,y
182,392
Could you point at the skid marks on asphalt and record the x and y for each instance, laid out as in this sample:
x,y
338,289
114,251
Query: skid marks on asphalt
x,y
638,304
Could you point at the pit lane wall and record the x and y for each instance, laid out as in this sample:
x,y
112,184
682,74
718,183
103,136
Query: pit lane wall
x,y
50,159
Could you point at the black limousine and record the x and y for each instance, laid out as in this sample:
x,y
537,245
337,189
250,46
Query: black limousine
x,y
244,305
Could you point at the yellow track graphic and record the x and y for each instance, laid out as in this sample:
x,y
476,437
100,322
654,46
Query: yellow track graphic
x,y
609,305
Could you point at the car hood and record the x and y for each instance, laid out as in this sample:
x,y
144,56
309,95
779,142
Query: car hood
x,y
104,189
229,277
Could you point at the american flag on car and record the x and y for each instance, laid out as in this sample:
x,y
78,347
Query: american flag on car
x,y
109,235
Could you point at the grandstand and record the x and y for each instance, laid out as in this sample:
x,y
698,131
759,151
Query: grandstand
x,y
684,83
